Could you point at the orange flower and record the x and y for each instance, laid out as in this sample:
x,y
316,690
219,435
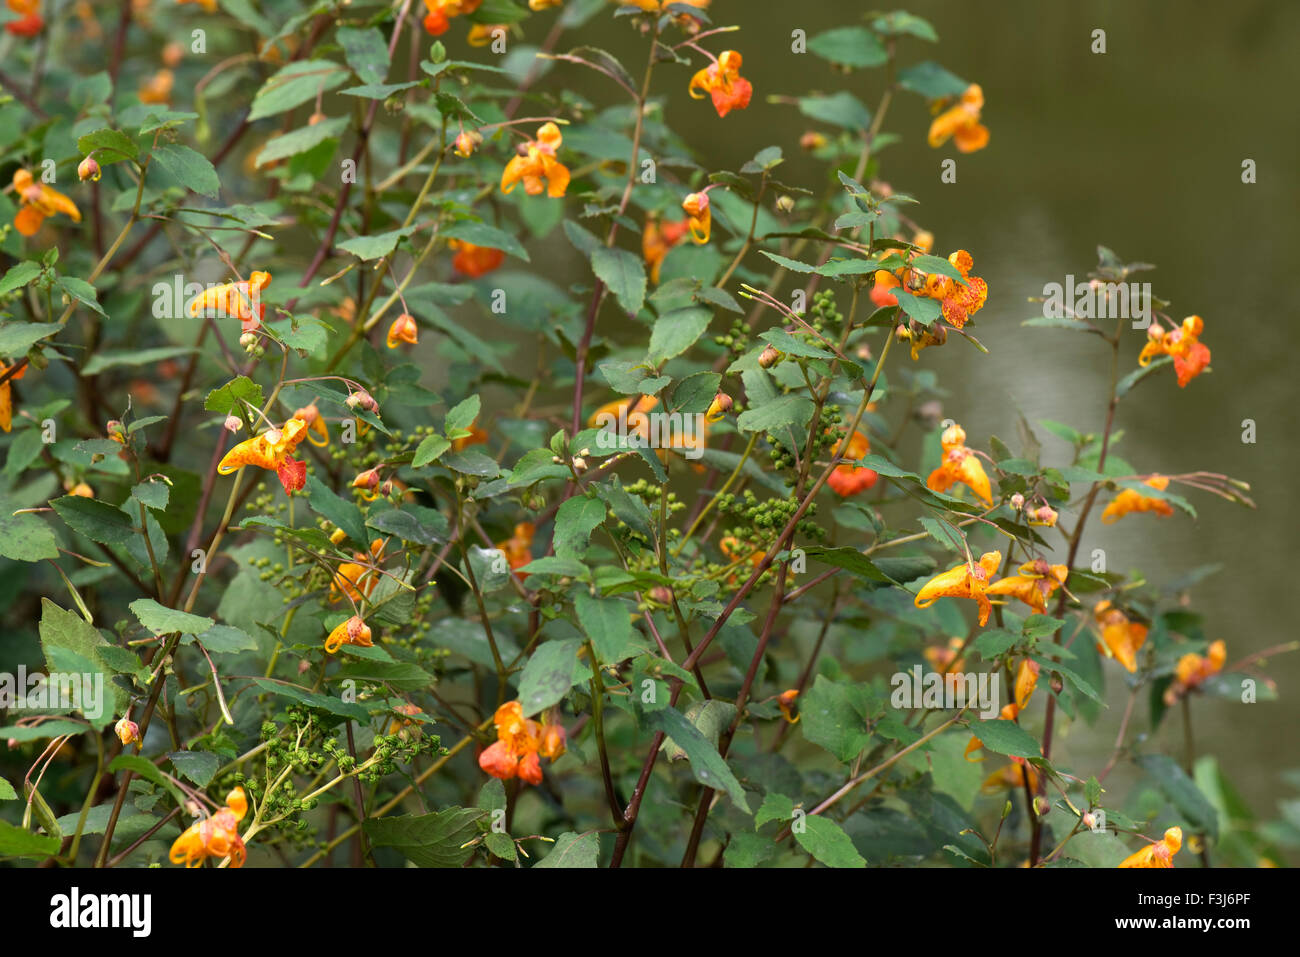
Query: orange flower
x,y
734,550
1121,639
128,732
272,450
722,81
959,302
1026,682
1192,670
519,743
959,464
318,433
29,22
475,261
1183,344
881,294
633,421
402,330
216,837
1159,853
962,581
356,579
962,122
518,547
539,5
848,479
476,437
1129,500
398,724
234,300
786,702
438,20
658,239
480,34
1015,775
157,88
354,631
538,164
7,396
36,201
700,217
466,142
945,659
209,6
1034,585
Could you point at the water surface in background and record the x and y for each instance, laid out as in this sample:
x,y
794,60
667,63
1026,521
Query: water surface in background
x,y
1139,149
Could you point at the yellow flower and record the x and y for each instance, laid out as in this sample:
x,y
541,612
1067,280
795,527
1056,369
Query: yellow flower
x,y
1129,500
537,167
480,34
1193,670
962,581
355,579
402,330
1159,853
36,201
786,702
128,732
959,464
1121,639
272,450
1034,585
216,837
318,433
157,88
234,300
1016,776
354,631
699,216
1183,344
962,122
721,80
539,5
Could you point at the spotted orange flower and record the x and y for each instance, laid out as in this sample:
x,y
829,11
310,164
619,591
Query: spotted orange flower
x,y
234,300
318,433
36,201
1033,585
1130,500
215,837
475,261
961,123
536,167
848,479
959,302
959,464
402,330
7,397
962,581
1193,670
356,579
272,450
699,216
158,88
440,13
658,239
29,22
1158,853
1121,638
722,81
520,744
1183,343
786,701
353,631
518,547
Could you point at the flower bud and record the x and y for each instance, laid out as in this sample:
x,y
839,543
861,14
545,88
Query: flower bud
x,y
466,143
1017,501
233,423
366,480
88,169
82,490
128,732
785,204
812,140
769,357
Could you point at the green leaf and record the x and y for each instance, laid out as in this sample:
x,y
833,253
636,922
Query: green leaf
x,y
826,841
191,169
366,52
851,46
549,675
109,146
707,764
373,247
677,331
1182,792
132,357
924,311
931,81
776,807
25,538
900,23
481,234
19,842
344,514
301,140
198,766
429,840
152,493
230,398
96,520
606,621
778,414
320,702
162,620
832,717
67,632
1126,384
7,792
624,275
573,850
429,450
1006,737
20,275
461,416
295,84
81,291
576,519
839,109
